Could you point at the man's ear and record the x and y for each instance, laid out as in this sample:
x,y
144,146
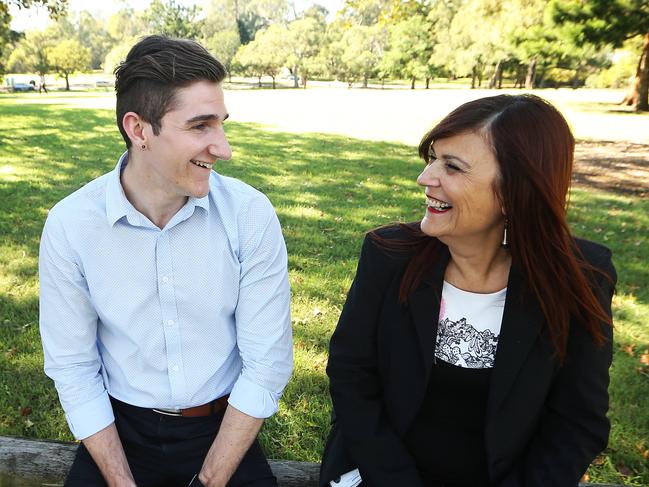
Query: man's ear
x,y
135,128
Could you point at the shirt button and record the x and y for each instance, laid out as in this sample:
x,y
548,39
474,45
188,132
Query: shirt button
x,y
170,322
175,368
165,279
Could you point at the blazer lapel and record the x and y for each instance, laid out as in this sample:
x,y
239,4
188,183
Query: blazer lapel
x,y
520,328
424,305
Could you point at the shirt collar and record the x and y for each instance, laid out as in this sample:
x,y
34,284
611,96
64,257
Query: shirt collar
x,y
118,206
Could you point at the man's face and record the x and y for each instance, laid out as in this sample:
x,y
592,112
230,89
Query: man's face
x,y
179,160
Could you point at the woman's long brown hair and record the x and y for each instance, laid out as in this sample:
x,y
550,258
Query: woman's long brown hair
x,y
534,148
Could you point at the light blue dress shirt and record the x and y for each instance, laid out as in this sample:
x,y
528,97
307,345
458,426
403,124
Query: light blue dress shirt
x,y
168,318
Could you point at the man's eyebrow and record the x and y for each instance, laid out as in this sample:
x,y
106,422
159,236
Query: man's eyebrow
x,y
207,118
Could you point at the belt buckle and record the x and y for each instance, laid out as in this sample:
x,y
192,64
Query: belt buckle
x,y
168,412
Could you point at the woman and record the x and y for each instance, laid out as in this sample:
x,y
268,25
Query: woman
x,y
474,346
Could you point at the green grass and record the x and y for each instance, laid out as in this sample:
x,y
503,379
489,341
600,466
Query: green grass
x,y
327,190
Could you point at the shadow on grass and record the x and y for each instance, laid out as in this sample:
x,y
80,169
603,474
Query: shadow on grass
x,y
619,167
616,108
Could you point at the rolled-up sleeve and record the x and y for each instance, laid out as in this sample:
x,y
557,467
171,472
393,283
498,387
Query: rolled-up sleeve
x,y
263,323
68,326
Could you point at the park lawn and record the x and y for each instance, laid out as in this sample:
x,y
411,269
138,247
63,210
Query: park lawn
x,y
328,191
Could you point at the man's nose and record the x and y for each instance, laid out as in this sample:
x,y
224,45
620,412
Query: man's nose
x,y
220,147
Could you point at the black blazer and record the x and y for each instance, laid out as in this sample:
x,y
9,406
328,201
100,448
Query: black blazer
x,y
545,423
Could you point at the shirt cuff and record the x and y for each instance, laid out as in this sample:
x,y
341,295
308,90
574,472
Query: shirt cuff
x,y
90,417
253,400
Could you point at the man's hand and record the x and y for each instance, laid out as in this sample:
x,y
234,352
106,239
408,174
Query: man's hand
x,y
236,434
106,450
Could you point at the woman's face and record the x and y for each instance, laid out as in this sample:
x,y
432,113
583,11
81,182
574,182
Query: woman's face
x,y
461,206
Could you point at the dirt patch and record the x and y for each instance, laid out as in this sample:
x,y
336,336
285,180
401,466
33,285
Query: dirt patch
x,y
620,167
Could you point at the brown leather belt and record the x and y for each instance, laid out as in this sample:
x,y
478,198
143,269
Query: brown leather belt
x,y
212,407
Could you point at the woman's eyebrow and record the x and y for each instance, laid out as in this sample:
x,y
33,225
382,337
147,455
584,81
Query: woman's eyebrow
x,y
449,157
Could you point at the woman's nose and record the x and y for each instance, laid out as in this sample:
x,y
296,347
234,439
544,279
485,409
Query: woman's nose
x,y
428,176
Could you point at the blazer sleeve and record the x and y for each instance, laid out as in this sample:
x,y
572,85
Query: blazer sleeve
x,y
574,427
355,381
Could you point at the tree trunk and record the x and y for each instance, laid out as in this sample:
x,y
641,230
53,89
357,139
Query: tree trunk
x,y
530,80
427,83
295,78
273,81
520,77
497,74
540,82
638,95
473,77
259,80
304,79
67,82
412,83
365,78
574,83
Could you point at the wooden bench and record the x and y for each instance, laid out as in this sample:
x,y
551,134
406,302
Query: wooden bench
x,y
40,462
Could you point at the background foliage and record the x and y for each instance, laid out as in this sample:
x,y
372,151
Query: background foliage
x,y
531,43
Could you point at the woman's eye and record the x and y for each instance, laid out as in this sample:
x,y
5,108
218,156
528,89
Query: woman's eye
x,y
200,126
452,167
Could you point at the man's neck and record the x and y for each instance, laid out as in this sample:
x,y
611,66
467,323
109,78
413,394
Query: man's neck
x,y
141,190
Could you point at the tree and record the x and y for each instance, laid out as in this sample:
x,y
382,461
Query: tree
x,y
362,48
68,57
266,54
56,8
169,18
220,16
117,54
612,21
249,60
410,49
224,45
31,54
93,35
126,24
303,42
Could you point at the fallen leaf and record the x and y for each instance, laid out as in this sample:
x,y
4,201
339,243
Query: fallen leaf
x,y
624,470
628,349
26,411
11,352
585,478
644,358
28,423
600,460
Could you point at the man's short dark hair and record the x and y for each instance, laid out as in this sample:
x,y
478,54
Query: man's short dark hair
x,y
146,82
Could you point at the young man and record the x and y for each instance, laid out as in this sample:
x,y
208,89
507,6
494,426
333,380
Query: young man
x,y
164,306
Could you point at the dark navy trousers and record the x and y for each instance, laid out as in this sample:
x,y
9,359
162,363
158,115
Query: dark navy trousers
x,y
166,451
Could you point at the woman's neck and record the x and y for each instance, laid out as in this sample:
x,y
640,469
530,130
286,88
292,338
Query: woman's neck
x,y
477,270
